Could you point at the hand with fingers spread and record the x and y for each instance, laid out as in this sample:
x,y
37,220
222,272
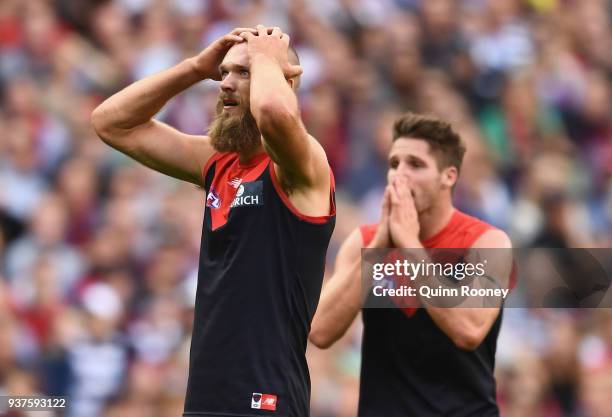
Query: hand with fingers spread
x,y
208,61
382,238
403,217
273,44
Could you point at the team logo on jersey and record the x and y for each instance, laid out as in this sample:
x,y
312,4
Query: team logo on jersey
x,y
235,182
261,401
212,199
249,194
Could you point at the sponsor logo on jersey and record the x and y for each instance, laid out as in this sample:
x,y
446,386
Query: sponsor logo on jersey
x,y
249,194
212,199
261,401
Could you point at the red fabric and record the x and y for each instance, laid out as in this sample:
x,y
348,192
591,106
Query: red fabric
x,y
10,32
227,168
41,319
460,232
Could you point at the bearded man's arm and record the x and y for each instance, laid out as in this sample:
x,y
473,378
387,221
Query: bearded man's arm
x,y
125,120
300,162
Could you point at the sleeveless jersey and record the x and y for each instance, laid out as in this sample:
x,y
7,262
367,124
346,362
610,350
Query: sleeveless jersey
x,y
410,367
259,282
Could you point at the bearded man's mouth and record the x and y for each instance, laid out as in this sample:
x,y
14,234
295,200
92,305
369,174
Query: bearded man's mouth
x,y
229,103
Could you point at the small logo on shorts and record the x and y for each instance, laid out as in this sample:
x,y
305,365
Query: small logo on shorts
x,y
213,200
263,401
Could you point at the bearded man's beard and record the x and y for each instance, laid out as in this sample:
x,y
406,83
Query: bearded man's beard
x,y
234,132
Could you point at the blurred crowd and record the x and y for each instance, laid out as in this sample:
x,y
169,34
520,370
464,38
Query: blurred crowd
x,y
98,256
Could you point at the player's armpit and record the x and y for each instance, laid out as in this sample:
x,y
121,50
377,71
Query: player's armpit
x,y
310,198
163,148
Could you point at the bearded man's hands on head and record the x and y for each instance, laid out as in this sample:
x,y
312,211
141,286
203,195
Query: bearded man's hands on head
x,y
207,62
273,44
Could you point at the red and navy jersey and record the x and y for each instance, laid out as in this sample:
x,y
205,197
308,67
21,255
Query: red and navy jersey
x,y
261,270
410,367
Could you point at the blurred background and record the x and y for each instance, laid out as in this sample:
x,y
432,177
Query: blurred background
x,y
98,256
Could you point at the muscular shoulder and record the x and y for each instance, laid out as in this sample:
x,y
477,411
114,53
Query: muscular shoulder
x,y
478,233
493,238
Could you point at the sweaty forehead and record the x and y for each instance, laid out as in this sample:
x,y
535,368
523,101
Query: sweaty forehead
x,y
237,55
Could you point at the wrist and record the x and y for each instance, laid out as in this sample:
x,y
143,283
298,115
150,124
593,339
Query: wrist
x,y
197,69
374,244
259,57
410,243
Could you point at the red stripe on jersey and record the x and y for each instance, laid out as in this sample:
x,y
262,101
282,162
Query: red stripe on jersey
x,y
209,163
228,168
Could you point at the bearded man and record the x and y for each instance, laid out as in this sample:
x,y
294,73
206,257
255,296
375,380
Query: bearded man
x,y
268,219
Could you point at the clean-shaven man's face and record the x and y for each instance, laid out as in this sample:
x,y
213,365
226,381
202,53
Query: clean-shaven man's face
x,y
412,159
